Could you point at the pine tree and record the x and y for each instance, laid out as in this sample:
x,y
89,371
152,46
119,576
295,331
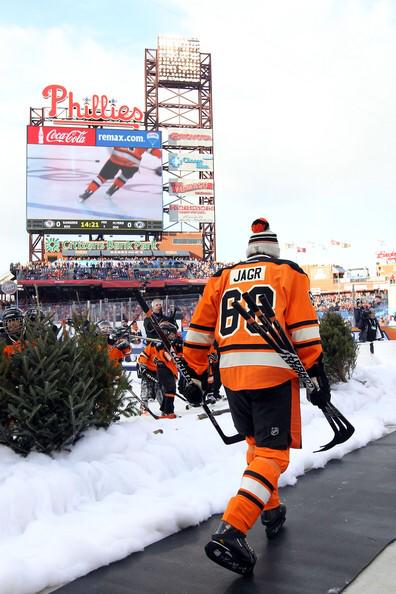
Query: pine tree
x,y
54,390
339,347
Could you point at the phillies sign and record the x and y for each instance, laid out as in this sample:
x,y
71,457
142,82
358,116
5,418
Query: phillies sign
x,y
97,107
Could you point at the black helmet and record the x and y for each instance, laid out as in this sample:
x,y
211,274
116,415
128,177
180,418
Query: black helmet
x,y
104,327
11,315
33,313
168,328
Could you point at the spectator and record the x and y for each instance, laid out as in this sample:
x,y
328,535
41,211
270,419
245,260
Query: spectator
x,y
369,327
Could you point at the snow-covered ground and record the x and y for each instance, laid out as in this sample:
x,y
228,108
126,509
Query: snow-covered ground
x,y
120,490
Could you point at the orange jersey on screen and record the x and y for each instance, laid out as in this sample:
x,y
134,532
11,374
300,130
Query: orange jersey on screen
x,y
131,157
246,361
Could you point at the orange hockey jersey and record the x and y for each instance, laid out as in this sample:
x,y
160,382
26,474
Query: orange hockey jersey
x,y
15,347
246,361
131,157
147,357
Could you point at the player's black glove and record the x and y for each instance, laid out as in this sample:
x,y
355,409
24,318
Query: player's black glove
x,y
158,171
321,396
178,345
195,388
194,392
122,344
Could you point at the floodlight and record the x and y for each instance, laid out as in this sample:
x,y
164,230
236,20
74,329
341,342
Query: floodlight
x,y
178,59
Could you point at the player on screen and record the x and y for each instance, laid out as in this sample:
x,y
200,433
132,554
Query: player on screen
x,y
121,166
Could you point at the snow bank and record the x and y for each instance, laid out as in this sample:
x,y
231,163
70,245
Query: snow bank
x,y
120,490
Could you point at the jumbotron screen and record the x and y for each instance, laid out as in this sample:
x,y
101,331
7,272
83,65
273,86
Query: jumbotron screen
x,y
93,180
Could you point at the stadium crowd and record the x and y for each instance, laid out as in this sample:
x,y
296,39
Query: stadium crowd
x,y
129,269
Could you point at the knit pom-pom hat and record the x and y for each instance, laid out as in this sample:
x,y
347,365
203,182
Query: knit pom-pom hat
x,y
263,242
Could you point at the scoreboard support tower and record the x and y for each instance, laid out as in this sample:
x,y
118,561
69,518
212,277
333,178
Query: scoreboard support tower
x,y
178,94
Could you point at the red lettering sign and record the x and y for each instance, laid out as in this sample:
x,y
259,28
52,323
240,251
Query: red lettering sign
x,y
58,136
99,107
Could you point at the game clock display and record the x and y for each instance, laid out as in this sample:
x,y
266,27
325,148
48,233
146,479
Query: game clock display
x,y
89,225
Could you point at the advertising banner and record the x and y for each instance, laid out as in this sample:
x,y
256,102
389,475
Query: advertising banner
x,y
136,138
191,187
386,257
184,161
87,180
190,137
187,213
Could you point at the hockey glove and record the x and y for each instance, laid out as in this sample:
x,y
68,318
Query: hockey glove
x,y
177,343
195,387
122,344
193,392
321,396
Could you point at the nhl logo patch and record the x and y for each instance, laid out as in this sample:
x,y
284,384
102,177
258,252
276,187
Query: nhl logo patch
x,y
274,431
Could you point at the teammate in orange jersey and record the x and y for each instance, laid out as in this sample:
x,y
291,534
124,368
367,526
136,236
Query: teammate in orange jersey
x,y
150,389
117,349
167,372
262,390
124,160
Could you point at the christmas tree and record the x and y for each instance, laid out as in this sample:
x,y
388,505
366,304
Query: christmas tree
x,y
339,347
52,390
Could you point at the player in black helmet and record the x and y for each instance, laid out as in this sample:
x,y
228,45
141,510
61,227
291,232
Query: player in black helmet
x,y
13,330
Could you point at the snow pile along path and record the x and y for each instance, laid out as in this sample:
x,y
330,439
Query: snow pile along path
x,y
120,490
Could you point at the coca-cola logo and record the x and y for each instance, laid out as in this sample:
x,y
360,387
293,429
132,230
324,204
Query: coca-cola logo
x,y
70,137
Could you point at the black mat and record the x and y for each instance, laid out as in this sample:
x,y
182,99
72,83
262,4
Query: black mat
x,y
339,518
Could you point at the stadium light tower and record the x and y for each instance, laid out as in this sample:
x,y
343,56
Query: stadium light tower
x,y
178,94
178,59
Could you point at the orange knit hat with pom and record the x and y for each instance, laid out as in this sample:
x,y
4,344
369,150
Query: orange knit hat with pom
x,y
263,242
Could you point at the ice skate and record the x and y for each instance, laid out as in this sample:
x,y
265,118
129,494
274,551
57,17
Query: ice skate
x,y
84,196
112,190
230,549
273,520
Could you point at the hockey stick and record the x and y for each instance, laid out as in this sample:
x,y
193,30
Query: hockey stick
x,y
276,337
342,428
181,366
145,406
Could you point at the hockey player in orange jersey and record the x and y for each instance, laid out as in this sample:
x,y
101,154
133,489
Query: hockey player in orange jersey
x,y
124,160
262,390
147,370
167,372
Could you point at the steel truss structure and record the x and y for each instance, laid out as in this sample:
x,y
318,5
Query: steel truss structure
x,y
182,104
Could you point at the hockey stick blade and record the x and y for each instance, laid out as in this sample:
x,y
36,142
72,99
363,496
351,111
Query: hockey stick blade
x,y
227,439
342,428
145,406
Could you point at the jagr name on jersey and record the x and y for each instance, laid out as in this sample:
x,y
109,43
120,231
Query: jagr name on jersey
x,y
239,275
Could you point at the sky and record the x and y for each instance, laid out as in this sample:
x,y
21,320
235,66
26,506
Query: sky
x,y
116,484
303,95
